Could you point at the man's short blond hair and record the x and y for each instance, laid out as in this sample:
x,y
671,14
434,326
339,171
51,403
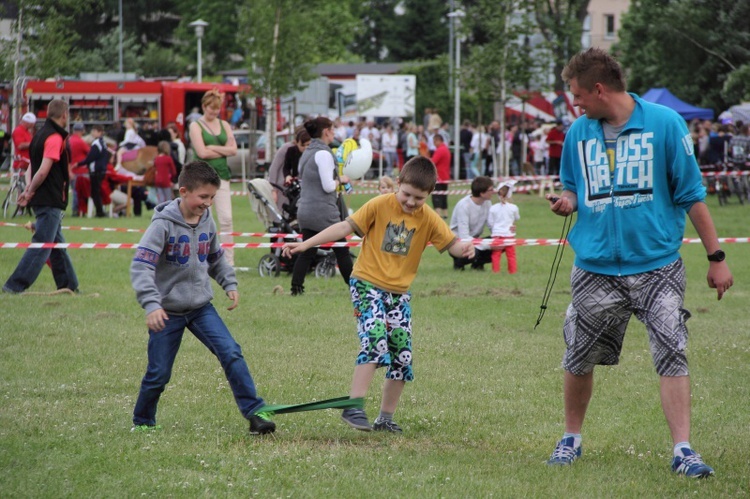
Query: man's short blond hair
x,y
592,66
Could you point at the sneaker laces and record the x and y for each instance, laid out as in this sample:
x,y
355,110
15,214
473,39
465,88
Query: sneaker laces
x,y
565,452
391,425
693,459
265,416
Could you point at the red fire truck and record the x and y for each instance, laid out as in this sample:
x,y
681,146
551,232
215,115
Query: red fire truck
x,y
109,102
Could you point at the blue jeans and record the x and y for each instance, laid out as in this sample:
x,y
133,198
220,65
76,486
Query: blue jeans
x,y
471,167
206,324
48,230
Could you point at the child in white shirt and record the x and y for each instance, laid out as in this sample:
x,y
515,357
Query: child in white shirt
x,y
502,223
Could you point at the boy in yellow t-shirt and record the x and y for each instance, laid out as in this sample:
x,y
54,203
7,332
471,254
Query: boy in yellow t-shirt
x,y
396,229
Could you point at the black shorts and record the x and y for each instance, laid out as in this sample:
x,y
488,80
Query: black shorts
x,y
440,200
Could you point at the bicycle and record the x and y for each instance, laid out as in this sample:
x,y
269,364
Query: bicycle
x,y
729,183
16,187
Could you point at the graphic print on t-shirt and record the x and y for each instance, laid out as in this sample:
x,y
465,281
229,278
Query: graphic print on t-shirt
x,y
397,239
630,182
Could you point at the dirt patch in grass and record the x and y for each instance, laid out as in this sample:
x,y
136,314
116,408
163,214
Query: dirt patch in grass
x,y
453,289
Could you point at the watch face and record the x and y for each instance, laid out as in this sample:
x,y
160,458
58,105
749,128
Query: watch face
x,y
718,256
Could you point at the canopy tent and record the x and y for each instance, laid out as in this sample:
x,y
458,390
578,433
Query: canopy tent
x,y
664,97
740,112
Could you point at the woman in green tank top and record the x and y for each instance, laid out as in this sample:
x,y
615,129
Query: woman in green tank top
x,y
212,141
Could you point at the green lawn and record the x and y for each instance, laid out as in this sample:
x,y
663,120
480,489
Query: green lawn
x,y
480,419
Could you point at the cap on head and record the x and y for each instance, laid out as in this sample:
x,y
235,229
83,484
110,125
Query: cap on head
x,y
29,118
78,127
507,184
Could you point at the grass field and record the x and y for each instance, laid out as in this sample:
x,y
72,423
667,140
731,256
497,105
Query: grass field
x,y
480,419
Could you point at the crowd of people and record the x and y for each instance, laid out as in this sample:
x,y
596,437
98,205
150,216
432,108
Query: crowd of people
x,y
528,148
722,142
629,228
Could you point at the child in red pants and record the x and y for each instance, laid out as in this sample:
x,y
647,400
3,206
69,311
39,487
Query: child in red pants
x,y
502,222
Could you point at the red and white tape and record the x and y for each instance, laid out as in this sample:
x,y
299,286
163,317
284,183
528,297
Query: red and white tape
x,y
353,244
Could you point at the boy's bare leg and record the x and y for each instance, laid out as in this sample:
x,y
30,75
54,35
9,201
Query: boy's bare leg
x,y
392,390
361,380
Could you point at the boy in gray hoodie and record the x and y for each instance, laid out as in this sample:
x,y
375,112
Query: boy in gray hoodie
x,y
170,274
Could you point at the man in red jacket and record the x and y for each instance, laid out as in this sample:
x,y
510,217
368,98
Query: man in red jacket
x,y
555,139
79,148
442,159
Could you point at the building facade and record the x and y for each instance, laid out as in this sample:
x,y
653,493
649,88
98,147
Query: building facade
x,y
603,23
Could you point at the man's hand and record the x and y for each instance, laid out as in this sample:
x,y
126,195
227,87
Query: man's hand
x,y
155,320
23,199
719,277
235,297
560,205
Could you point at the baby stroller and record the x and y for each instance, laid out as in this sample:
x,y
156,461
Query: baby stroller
x,y
271,264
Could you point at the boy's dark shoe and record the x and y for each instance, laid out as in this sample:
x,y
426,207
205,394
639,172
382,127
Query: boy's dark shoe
x,y
357,419
386,425
260,423
298,290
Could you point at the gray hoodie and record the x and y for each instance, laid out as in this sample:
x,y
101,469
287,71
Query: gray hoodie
x,y
173,262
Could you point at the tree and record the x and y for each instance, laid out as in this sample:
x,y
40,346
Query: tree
x,y
222,45
737,87
104,54
160,61
148,20
561,24
49,38
373,35
420,33
431,77
691,47
66,37
285,38
505,63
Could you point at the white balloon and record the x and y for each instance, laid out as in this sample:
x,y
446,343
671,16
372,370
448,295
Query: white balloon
x,y
359,160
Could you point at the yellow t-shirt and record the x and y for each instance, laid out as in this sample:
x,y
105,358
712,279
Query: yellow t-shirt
x,y
394,241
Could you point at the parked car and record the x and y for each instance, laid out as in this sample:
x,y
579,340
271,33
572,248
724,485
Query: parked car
x,y
243,138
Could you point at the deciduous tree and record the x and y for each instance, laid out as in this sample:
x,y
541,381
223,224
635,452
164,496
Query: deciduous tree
x,y
561,23
691,47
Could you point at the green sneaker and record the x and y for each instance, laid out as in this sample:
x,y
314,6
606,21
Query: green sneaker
x,y
260,423
145,428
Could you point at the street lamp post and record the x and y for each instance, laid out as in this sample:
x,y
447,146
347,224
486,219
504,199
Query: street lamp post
x,y
456,16
199,26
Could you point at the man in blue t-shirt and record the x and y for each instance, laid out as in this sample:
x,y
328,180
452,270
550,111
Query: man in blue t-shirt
x,y
629,170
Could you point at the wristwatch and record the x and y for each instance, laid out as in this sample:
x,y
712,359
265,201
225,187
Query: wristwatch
x,y
718,256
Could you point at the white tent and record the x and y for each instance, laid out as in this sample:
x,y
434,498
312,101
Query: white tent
x,y
741,112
